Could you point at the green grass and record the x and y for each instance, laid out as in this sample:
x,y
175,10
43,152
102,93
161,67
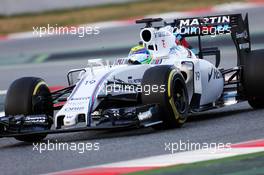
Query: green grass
x,y
101,13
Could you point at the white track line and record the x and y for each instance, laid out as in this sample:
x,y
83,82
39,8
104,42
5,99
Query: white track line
x,y
183,158
175,159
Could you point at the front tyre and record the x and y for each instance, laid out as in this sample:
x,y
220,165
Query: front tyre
x,y
172,95
29,96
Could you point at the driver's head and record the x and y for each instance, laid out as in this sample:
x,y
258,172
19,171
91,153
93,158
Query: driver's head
x,y
139,55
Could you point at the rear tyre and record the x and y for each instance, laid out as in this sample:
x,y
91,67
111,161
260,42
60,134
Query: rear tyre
x,y
172,95
253,78
256,103
29,96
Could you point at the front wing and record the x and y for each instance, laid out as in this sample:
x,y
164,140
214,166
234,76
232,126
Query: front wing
x,y
111,119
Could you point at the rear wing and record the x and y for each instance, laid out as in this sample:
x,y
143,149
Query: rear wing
x,y
232,24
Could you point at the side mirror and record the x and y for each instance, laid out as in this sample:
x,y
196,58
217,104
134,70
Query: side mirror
x,y
75,75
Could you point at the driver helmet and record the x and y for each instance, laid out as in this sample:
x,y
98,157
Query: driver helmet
x,y
139,55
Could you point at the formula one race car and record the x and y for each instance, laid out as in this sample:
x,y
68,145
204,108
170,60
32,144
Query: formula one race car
x,y
174,83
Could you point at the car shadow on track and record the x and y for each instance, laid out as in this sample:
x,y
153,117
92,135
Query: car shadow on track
x,y
97,135
212,115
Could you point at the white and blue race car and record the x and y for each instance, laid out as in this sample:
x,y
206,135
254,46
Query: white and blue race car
x,y
161,94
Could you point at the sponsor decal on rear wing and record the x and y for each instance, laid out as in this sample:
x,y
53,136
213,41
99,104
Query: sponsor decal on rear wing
x,y
214,25
232,24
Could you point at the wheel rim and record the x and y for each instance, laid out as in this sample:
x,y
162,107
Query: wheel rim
x,y
180,97
42,102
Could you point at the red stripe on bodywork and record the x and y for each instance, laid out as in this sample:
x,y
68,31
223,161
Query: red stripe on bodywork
x,y
55,88
60,104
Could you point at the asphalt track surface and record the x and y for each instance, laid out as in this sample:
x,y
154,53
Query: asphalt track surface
x,y
233,124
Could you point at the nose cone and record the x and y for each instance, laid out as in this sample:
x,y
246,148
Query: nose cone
x,y
70,120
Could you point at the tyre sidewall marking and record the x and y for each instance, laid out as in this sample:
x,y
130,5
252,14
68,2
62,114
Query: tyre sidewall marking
x,y
38,86
170,96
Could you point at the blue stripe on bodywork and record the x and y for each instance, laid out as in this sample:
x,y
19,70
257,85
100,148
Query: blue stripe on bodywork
x,y
92,100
